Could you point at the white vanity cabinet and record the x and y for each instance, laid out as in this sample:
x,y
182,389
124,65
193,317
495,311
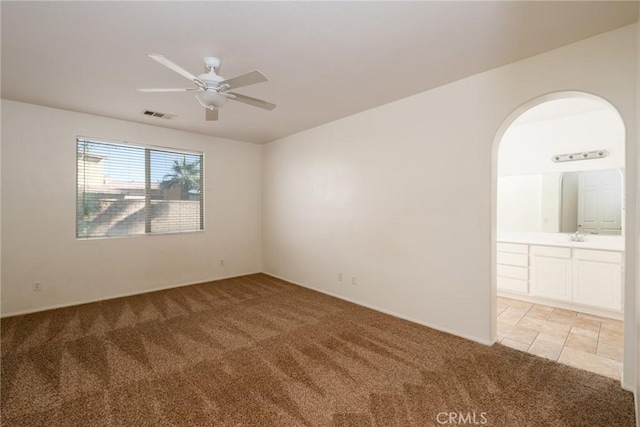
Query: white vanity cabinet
x,y
551,272
598,278
571,276
513,267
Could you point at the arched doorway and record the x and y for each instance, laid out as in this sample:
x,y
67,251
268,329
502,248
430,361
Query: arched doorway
x,y
556,157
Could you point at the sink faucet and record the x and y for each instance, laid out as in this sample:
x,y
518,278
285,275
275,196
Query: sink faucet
x,y
577,236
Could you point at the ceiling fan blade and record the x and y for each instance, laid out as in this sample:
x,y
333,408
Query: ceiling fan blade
x,y
251,101
168,89
169,64
211,115
244,80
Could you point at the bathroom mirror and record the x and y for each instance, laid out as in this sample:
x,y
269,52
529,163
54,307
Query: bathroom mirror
x,y
591,201
562,202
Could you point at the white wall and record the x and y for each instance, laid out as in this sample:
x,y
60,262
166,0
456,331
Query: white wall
x,y
38,214
635,330
402,196
527,148
530,203
550,202
0,215
520,203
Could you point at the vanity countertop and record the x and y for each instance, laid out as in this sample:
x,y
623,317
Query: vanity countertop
x,y
606,243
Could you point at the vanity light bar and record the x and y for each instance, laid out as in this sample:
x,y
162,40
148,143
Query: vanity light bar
x,y
587,155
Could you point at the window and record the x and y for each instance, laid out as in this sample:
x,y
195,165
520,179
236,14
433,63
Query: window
x,y
125,190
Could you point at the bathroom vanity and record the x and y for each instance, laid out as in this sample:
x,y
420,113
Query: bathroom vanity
x,y
550,269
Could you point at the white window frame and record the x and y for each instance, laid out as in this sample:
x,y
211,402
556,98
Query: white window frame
x,y
149,147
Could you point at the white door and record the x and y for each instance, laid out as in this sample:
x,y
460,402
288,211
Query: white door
x,y
600,202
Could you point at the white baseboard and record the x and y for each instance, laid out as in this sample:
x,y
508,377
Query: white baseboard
x,y
126,294
390,313
628,387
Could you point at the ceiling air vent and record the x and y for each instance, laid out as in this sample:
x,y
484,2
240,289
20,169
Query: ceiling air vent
x,y
159,115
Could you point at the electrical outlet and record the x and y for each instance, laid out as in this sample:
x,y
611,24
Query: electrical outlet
x,y
339,277
36,286
354,280
221,263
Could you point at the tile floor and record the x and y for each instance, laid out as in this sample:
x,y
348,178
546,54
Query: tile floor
x,y
581,340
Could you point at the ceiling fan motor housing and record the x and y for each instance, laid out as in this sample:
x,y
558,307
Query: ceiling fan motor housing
x,y
211,96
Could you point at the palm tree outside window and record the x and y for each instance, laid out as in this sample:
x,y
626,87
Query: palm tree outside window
x,y
185,176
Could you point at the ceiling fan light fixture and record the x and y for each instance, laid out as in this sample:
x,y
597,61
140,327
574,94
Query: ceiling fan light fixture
x,y
210,97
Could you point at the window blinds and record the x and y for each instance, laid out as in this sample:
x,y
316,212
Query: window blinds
x,y
125,190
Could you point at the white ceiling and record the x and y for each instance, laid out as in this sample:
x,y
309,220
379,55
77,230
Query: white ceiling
x,y
325,60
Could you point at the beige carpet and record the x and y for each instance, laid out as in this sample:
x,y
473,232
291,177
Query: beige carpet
x,y
259,351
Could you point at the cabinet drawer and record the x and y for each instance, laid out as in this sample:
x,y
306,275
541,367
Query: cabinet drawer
x,y
515,285
521,273
519,260
600,256
513,248
551,251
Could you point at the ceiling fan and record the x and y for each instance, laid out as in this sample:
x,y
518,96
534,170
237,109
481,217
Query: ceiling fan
x,y
212,90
